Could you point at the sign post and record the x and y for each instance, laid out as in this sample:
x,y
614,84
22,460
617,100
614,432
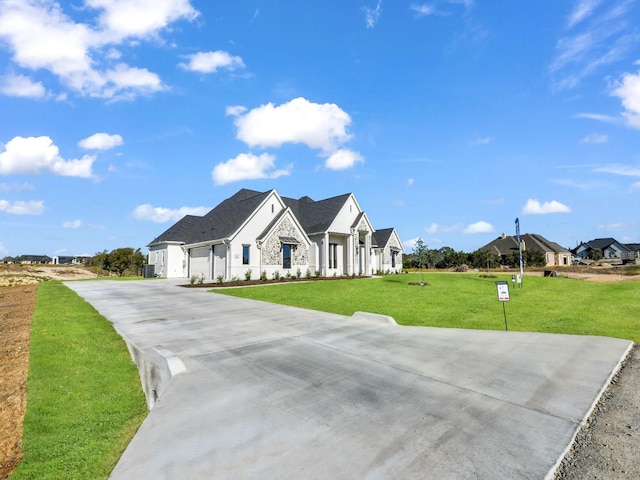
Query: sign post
x,y
503,297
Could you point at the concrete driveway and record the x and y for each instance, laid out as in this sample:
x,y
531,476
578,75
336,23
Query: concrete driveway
x,y
243,390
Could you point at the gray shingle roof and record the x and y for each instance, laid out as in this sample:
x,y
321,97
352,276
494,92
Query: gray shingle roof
x,y
533,242
381,237
316,217
601,243
219,223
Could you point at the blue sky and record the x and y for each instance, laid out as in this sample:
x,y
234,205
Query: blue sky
x,y
447,119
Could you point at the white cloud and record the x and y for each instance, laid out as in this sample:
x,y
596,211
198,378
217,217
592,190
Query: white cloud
x,y
479,227
343,159
246,166
635,185
423,10
582,10
34,155
534,207
21,86
371,15
410,181
437,228
162,215
604,36
319,126
32,207
597,116
73,224
613,227
595,138
619,169
628,90
42,36
121,19
101,141
481,141
410,244
209,62
235,110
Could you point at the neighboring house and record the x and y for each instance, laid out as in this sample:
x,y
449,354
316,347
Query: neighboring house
x,y
254,232
634,253
387,251
609,249
68,260
31,259
506,245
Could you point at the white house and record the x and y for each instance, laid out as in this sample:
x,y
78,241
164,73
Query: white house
x,y
251,233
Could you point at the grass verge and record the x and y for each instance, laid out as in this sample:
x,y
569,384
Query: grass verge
x,y
84,398
543,304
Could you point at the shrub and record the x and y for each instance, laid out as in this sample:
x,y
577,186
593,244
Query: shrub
x,y
263,276
247,274
317,273
220,279
276,275
298,273
308,274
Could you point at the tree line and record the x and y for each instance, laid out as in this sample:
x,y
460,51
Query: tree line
x,y
446,257
120,261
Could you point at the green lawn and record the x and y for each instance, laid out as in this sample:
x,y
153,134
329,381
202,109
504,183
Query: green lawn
x,y
554,304
84,398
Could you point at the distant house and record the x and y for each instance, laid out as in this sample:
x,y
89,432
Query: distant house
x,y
506,245
32,259
607,249
254,233
634,253
69,260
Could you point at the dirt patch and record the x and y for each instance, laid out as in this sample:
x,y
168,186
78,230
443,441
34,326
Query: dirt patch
x,y
12,275
16,309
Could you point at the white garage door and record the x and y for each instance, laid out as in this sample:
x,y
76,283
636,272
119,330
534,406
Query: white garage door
x,y
199,262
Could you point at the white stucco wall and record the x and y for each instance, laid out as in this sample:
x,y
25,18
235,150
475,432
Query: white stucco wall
x,y
169,260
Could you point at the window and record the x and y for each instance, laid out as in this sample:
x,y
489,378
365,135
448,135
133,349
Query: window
x,y
333,255
393,258
245,254
286,255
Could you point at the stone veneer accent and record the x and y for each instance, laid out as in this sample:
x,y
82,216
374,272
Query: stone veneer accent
x,y
387,250
272,249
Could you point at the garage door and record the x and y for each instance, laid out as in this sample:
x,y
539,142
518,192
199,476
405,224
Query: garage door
x,y
199,262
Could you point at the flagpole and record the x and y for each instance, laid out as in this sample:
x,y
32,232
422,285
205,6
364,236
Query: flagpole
x,y
519,248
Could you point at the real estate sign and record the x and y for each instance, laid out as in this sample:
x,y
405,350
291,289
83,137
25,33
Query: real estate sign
x,y
503,291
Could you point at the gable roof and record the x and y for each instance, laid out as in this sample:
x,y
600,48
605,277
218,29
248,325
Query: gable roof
x,y
381,237
316,217
634,247
219,223
228,217
507,244
602,243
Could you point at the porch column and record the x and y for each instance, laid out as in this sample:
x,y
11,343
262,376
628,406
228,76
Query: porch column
x,y
367,254
350,254
324,268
